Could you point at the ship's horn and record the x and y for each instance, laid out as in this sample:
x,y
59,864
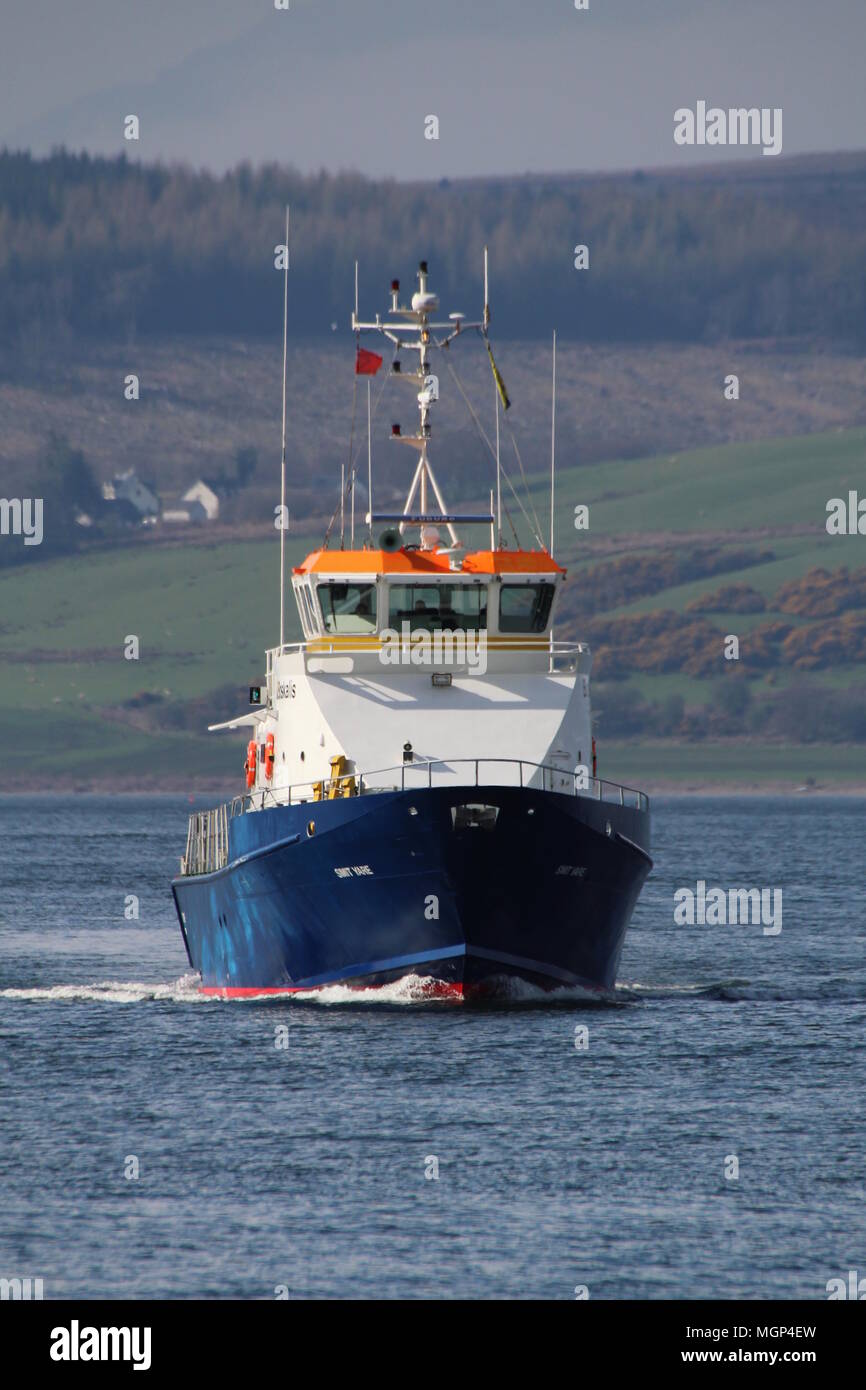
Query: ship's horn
x,y
390,540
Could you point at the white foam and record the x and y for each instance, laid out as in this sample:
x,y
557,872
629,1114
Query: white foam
x,y
411,989
182,991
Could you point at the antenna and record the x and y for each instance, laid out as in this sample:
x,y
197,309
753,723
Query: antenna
x,y
369,462
486,321
283,457
486,315
552,442
498,473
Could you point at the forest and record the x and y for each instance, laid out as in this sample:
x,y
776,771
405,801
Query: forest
x,y
110,248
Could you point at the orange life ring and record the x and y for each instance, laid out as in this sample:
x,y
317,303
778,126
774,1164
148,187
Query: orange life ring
x,y
269,756
250,762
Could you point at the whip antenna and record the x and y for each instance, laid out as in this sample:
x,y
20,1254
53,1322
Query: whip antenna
x,y
283,458
552,441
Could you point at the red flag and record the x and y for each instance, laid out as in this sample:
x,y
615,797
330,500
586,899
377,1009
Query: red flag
x,y
367,363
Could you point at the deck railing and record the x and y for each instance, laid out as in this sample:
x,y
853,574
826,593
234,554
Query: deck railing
x,y
418,774
563,657
207,841
207,845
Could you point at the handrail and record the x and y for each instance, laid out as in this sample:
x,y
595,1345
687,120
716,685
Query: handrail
x,y
207,846
575,783
561,651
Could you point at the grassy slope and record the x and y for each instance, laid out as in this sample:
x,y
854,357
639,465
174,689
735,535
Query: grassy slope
x,y
204,615
738,488
766,496
747,765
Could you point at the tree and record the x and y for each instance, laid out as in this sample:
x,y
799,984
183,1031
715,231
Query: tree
x,y
68,477
246,463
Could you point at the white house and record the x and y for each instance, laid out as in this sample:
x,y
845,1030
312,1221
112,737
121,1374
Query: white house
x,y
184,515
200,492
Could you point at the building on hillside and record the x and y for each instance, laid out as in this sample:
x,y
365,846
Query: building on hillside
x,y
203,493
185,513
128,487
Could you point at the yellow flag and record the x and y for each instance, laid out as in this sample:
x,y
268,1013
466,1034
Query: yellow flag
x,y
500,384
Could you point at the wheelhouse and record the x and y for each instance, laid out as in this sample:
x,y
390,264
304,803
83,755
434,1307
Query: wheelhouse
x,y
363,594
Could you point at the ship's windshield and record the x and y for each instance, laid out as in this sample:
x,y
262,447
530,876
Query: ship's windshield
x,y
348,607
431,607
524,607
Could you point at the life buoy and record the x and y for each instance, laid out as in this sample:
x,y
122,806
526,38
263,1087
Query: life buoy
x,y
269,756
250,762
594,760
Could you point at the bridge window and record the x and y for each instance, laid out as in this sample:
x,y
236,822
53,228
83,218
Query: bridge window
x,y
306,610
430,607
348,607
525,607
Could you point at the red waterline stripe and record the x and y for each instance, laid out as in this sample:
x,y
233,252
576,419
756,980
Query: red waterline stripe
x,y
441,989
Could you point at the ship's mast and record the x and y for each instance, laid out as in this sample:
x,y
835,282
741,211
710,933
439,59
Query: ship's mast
x,y
413,330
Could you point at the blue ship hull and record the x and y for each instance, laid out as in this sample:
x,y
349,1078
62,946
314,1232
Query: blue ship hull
x,y
366,890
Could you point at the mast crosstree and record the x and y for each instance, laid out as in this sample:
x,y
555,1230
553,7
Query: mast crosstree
x,y
413,330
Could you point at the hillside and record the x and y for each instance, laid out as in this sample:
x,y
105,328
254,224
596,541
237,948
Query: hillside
x,y
742,517
202,400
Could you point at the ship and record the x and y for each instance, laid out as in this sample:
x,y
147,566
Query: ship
x,y
422,801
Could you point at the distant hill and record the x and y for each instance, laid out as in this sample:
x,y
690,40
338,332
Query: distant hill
x,y
106,247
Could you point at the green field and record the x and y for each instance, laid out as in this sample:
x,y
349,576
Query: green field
x,y
746,765
204,615
738,489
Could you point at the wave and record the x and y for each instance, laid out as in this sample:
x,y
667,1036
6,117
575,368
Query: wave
x,y
182,991
834,988
410,990
418,990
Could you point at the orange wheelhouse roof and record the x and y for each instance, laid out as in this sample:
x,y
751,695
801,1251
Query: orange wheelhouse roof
x,y
373,562
511,562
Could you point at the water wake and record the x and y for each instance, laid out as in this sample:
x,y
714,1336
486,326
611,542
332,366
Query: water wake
x,y
182,991
417,990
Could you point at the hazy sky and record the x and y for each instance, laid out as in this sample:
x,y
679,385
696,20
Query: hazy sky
x,y
517,85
